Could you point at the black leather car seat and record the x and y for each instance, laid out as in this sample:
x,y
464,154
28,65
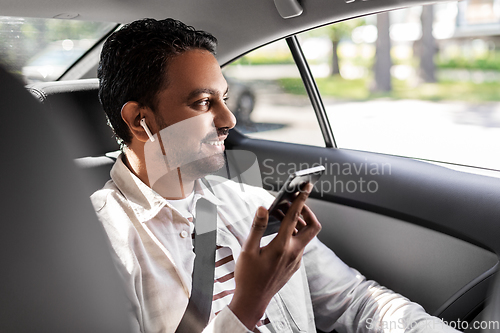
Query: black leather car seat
x,y
57,270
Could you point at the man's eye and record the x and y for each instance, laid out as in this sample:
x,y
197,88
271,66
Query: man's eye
x,y
202,104
225,99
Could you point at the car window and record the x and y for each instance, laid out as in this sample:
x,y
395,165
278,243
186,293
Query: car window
x,y
43,49
422,82
263,107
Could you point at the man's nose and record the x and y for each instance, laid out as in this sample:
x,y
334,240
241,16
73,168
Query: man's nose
x,y
223,117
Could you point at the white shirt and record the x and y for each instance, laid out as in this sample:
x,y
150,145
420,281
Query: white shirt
x,y
224,283
153,248
185,208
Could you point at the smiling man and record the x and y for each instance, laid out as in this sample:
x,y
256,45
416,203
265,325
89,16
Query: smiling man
x,y
192,122
164,95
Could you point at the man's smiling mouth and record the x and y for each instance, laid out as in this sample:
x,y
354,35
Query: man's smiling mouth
x,y
215,142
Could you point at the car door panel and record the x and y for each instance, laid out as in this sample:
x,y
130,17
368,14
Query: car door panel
x,y
426,266
427,232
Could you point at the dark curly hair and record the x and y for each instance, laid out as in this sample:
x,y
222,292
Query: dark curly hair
x,y
134,62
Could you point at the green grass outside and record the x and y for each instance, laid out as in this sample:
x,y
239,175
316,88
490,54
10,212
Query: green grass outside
x,y
487,62
358,89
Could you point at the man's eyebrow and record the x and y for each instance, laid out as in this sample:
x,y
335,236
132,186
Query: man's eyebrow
x,y
197,92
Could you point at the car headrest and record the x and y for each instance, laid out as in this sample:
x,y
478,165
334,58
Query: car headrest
x,y
83,124
57,268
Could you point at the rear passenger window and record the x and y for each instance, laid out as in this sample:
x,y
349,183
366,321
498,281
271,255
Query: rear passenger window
x,y
263,107
38,49
422,82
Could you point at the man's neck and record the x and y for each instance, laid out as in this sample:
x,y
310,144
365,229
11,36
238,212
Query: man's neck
x,y
171,186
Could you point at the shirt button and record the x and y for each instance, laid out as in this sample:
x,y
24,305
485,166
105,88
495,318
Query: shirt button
x,y
280,325
184,234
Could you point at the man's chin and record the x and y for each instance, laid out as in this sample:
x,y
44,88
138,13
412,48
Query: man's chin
x,y
173,184
202,167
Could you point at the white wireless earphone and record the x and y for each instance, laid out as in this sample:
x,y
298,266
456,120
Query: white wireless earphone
x,y
146,128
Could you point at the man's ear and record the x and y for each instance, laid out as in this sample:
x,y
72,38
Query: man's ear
x,y
132,113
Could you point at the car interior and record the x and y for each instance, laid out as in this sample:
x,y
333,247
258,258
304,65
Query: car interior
x,y
428,232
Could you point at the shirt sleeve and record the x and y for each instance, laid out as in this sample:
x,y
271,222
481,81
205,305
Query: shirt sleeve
x,y
226,322
345,301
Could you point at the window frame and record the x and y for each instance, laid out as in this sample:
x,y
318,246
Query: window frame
x,y
312,90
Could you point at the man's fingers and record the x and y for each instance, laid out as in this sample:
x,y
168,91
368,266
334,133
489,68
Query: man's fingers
x,y
293,214
312,227
279,214
308,215
259,225
300,223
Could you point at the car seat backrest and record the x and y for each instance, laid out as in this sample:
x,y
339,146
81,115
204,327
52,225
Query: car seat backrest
x,y
95,170
57,269
78,116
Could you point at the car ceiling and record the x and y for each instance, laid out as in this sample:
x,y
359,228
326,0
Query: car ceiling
x,y
239,25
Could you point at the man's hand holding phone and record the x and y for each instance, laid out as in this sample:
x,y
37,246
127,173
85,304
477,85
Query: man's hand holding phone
x,y
261,272
295,183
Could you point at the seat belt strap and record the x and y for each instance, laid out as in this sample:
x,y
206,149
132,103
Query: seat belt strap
x,y
198,311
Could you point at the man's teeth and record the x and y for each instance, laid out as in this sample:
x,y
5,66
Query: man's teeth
x,y
216,143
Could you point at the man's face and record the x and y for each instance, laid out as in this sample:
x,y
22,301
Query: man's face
x,y
192,115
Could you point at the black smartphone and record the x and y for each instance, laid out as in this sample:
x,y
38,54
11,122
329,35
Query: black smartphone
x,y
289,191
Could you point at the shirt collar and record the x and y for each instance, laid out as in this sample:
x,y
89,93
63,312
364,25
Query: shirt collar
x,y
146,202
202,191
